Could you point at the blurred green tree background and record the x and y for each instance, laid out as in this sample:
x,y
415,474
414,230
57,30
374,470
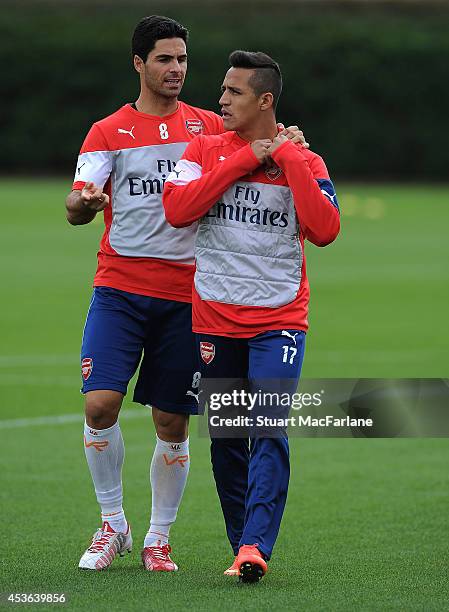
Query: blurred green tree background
x,y
367,82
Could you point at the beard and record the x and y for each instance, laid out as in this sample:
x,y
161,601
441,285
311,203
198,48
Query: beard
x,y
162,89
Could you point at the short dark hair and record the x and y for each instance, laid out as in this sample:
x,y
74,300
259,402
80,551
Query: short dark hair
x,y
267,75
151,29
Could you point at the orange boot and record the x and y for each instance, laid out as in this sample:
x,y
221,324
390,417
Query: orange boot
x,y
251,564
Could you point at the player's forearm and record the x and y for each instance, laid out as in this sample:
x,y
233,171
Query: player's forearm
x,y
185,203
315,212
76,211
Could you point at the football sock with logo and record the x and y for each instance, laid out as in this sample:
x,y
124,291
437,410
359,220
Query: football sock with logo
x,y
105,453
168,476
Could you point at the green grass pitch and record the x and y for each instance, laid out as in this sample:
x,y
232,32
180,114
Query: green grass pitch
x,y
366,521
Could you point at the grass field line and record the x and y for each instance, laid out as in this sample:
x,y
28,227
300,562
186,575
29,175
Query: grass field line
x,y
64,419
9,361
20,380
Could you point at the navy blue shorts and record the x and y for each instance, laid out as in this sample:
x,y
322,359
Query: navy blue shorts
x,y
270,362
270,355
120,328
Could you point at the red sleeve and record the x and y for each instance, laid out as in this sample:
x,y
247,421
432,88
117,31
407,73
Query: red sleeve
x,y
189,193
95,140
318,218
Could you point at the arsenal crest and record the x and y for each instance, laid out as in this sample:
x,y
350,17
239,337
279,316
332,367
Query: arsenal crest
x,y
207,350
273,172
194,126
86,367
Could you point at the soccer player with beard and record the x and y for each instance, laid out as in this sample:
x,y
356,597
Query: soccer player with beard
x,y
251,294
141,302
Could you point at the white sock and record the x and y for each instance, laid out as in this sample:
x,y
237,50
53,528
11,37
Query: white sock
x,y
105,453
168,476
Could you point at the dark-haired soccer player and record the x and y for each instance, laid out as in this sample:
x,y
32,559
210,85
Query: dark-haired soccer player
x,y
251,293
142,291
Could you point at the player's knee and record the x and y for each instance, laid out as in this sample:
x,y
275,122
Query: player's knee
x,y
171,427
102,408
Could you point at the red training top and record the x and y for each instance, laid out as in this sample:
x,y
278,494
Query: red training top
x,y
220,181
130,154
